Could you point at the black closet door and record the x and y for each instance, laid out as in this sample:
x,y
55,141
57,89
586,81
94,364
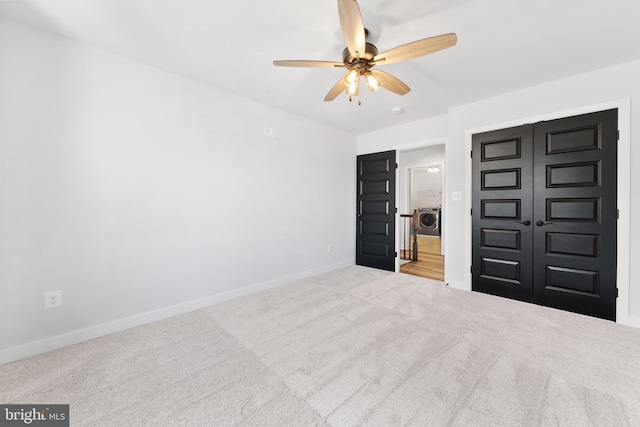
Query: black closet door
x,y
502,212
376,200
545,213
575,213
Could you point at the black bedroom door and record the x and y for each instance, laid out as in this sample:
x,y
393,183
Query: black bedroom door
x,y
502,212
375,222
569,238
575,213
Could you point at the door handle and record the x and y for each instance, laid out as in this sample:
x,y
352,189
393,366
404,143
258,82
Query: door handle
x,y
525,222
542,223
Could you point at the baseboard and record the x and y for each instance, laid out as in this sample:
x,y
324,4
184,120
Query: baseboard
x,y
630,321
457,285
80,335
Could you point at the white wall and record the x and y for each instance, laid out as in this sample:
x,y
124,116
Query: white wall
x,y
133,190
575,95
430,131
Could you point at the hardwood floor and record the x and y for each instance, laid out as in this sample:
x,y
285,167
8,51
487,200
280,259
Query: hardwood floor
x,y
430,263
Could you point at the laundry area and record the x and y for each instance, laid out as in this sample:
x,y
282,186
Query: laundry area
x,y
421,187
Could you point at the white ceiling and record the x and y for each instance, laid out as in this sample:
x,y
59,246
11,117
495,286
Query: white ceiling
x,y
503,45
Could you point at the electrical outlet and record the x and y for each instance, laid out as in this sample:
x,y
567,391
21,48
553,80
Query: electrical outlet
x,y
52,299
269,132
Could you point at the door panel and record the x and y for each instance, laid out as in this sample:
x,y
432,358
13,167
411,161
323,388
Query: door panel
x,y
375,227
502,185
545,213
576,206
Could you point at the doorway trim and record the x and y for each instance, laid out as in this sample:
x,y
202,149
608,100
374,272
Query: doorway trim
x,y
624,192
412,146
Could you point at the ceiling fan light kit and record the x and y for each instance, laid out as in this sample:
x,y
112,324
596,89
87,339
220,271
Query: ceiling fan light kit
x,y
359,57
372,82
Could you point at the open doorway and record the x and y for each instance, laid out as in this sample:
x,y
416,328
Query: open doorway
x,y
421,185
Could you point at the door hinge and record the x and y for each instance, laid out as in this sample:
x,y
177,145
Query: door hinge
x,y
396,254
616,292
396,166
618,135
471,269
396,210
471,212
618,213
471,154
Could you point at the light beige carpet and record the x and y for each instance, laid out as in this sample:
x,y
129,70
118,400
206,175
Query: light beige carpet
x,y
353,347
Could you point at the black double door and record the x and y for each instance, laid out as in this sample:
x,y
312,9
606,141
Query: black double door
x,y
375,222
545,213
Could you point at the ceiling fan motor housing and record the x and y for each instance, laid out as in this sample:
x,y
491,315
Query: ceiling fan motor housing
x,y
370,52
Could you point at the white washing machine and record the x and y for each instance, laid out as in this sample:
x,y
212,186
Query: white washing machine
x,y
429,221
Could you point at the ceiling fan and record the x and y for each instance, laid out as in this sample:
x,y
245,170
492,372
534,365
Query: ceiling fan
x,y
360,57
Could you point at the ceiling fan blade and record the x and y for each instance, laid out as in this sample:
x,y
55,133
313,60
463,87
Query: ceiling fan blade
x,y
391,83
335,91
416,49
352,27
311,64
